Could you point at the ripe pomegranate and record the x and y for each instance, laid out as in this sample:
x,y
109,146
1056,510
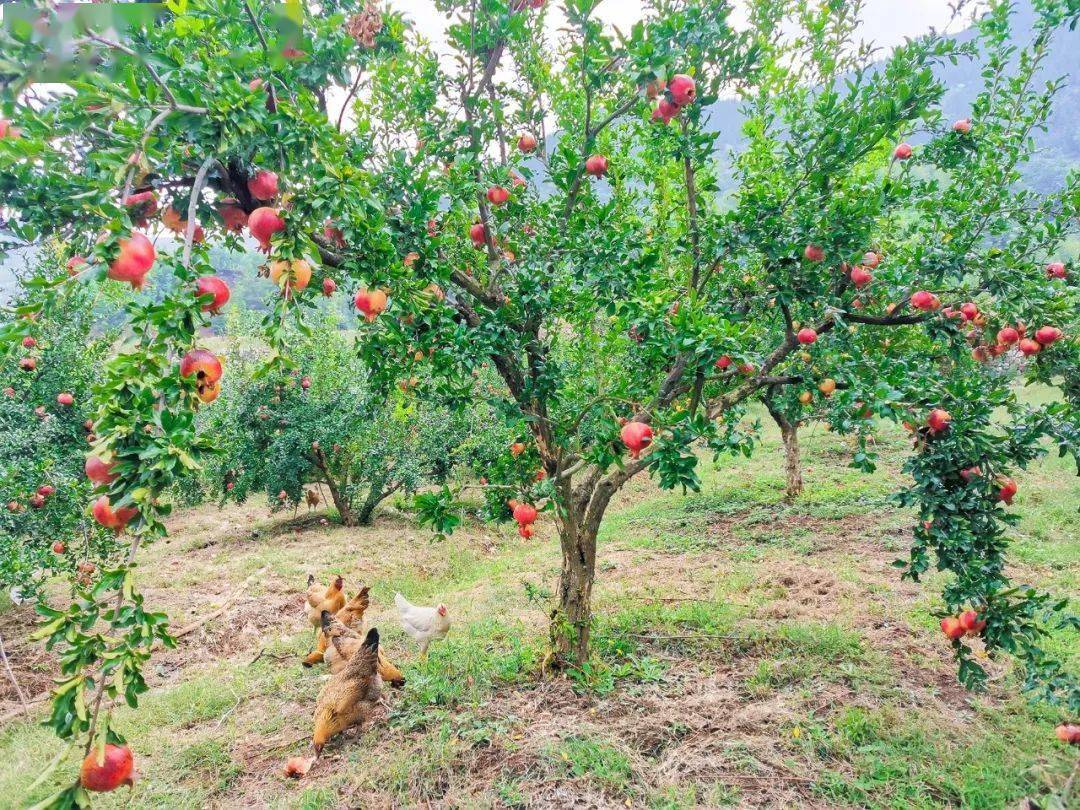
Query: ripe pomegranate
x,y
806,335
682,89
37,501
963,126
305,383
939,420
144,204
112,519
525,514
212,285
263,185
636,436
902,151
110,772
136,257
1068,733
655,88
805,397
29,342
527,143
871,259
370,302
860,276
665,111
296,767
969,311
970,472
7,130
1047,335
1007,490
329,287
814,253
952,628
516,449
1008,335
827,386
596,165
98,471
1055,270
263,223
234,217
13,506
297,274
9,391
478,234
526,530
27,363
333,235
971,622
1029,347
64,398
45,490
497,195
58,547
74,263
925,301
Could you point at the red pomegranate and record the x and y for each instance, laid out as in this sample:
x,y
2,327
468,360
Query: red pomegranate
x,y
74,264
814,253
723,361
1047,335
65,399
963,126
806,335
902,151
683,90
201,364
478,234
527,143
263,185
98,471
45,490
925,301
871,259
329,287
1007,489
136,257
212,285
636,436
143,205
234,217
971,622
110,772
1008,335
525,514
860,276
939,420
1055,270
370,302
951,627
497,195
596,165
969,311
526,530
1029,347
112,519
263,223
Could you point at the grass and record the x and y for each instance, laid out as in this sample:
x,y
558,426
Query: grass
x,y
747,651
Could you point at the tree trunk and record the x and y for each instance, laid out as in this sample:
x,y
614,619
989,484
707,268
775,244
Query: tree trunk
x,y
571,620
792,463
341,502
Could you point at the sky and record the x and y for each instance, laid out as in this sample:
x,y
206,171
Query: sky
x,y
887,22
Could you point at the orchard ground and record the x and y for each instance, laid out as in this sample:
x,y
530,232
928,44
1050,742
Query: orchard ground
x,y
749,653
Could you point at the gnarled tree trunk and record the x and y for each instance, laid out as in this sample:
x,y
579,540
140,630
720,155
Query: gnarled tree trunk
x,y
571,619
789,435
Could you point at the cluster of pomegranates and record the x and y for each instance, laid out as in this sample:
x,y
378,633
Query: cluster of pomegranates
x,y
680,93
525,515
1015,336
37,500
967,623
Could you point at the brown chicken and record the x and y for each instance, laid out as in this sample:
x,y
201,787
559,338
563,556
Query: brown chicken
x,y
320,598
343,640
351,616
353,696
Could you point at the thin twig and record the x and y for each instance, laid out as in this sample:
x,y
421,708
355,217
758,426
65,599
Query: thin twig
x,y
11,674
193,206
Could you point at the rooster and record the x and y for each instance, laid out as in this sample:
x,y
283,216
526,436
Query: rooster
x,y
424,624
342,643
350,616
320,598
352,696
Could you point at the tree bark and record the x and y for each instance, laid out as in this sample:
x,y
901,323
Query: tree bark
x,y
792,462
341,502
789,434
571,619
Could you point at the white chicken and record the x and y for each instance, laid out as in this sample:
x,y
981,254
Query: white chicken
x,y
424,624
